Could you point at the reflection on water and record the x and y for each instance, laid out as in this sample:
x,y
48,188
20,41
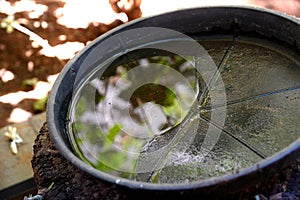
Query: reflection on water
x,y
118,117
133,103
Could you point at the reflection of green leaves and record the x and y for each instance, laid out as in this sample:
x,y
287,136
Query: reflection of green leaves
x,y
172,61
163,60
109,148
110,137
170,97
173,110
113,156
113,132
81,107
178,60
98,97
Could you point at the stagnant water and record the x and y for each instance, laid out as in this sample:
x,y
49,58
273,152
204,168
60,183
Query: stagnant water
x,y
126,120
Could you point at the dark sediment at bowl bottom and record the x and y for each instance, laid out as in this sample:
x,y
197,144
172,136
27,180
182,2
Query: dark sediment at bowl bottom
x,y
68,182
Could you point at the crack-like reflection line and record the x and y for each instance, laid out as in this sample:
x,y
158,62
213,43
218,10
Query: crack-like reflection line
x,y
204,94
266,94
238,139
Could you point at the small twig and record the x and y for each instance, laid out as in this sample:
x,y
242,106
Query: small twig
x,y
9,23
32,36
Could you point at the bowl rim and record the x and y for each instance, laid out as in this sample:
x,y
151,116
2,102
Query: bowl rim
x,y
278,160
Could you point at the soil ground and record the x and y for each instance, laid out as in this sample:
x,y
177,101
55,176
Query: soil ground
x,y
21,59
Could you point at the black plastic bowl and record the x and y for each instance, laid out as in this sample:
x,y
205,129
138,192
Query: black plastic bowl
x,y
199,21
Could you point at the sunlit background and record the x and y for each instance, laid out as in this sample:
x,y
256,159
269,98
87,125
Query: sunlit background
x,y
65,27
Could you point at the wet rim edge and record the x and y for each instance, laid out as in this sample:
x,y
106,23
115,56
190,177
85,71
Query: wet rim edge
x,y
278,160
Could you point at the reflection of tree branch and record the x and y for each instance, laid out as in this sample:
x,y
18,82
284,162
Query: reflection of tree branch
x,y
140,103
